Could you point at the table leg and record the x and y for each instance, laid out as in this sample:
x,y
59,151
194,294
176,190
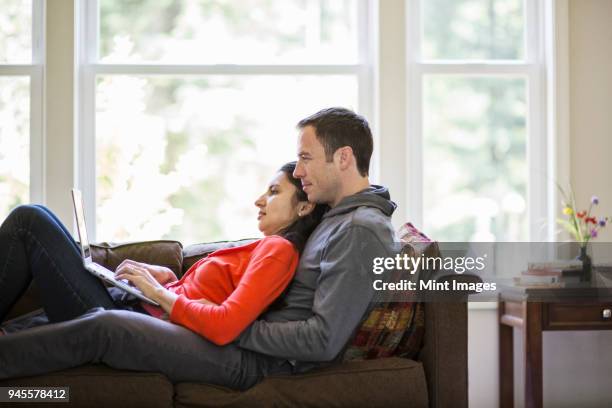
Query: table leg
x,y
532,340
506,361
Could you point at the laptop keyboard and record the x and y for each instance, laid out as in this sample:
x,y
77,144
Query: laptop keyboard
x,y
107,273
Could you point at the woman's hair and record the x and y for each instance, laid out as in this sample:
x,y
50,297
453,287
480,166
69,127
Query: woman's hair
x,y
298,232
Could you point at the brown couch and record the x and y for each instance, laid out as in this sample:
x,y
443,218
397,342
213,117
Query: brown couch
x,y
437,379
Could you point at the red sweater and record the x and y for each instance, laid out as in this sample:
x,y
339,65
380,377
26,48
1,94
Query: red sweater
x,y
243,281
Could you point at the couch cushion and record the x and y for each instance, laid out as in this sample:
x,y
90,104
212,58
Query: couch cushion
x,y
389,382
195,252
162,252
393,327
411,343
101,386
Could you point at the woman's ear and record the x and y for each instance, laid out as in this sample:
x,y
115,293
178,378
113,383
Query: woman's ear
x,y
305,208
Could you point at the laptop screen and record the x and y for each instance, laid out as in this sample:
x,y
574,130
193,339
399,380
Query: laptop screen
x,y
77,199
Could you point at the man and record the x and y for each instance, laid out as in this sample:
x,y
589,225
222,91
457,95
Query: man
x,y
322,307
332,287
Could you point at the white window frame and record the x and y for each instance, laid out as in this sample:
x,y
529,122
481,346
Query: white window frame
x,y
90,67
532,68
35,72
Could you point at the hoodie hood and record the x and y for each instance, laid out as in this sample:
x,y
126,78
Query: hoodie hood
x,y
374,196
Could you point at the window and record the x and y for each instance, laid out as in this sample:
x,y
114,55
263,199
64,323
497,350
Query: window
x,y
190,106
475,101
20,103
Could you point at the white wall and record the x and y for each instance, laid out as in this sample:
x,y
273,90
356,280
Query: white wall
x,y
591,102
577,365
482,358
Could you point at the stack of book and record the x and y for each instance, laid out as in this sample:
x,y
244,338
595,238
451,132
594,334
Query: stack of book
x,y
553,274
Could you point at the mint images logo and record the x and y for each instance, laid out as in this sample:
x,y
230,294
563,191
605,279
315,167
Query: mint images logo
x,y
412,264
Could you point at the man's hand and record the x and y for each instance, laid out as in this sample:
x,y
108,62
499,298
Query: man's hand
x,y
149,286
161,274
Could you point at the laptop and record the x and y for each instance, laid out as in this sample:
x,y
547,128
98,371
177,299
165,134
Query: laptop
x,y
97,269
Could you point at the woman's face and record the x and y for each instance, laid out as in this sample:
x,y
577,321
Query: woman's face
x,y
278,207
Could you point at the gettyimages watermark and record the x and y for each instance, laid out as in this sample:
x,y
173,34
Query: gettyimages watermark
x,y
412,264
480,271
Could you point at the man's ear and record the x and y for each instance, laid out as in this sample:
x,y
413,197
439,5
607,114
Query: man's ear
x,y
344,157
305,208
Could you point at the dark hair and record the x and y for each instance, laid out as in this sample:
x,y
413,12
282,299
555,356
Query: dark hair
x,y
298,232
339,127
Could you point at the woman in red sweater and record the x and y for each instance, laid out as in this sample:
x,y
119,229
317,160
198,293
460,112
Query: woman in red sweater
x,y
218,297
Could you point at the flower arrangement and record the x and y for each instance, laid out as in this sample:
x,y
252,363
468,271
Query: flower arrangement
x,y
582,225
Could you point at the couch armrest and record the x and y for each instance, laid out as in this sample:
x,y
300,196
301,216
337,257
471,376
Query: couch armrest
x,y
444,353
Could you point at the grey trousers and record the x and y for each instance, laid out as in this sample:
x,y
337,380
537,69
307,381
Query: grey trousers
x,y
125,339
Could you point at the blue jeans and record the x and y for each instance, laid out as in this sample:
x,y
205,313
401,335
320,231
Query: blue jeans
x,y
34,245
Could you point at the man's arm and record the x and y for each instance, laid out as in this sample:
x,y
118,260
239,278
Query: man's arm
x,y
342,296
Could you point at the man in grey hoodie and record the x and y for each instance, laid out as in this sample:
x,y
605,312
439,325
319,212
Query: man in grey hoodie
x,y
324,304
332,287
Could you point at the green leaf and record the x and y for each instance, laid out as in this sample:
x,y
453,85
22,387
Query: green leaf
x,y
569,227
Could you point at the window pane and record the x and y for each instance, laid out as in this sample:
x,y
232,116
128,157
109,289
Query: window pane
x,y
226,31
475,158
186,158
14,142
473,29
15,31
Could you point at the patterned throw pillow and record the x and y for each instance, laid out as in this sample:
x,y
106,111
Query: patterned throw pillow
x,y
394,328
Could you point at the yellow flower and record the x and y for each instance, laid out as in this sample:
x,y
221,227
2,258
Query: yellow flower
x,y
568,211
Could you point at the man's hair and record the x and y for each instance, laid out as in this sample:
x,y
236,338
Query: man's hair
x,y
339,127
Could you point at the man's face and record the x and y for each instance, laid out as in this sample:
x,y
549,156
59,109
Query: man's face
x,y
320,178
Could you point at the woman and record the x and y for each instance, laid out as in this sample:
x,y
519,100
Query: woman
x,y
218,297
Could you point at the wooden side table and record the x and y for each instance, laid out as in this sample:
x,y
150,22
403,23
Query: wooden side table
x,y
535,310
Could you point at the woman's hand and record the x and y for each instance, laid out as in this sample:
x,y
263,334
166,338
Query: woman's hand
x,y
161,274
149,286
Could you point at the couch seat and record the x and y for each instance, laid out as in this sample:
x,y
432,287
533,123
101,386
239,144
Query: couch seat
x,y
97,385
388,382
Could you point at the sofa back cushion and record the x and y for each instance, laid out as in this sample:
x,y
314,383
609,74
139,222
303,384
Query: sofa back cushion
x,y
394,328
162,252
195,252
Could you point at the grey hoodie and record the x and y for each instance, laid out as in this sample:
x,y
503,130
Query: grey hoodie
x,y
332,286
